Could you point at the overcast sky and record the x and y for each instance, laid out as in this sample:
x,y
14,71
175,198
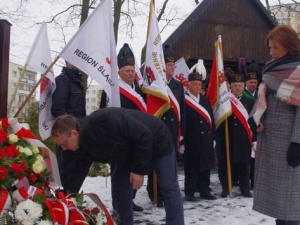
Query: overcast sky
x,y
25,29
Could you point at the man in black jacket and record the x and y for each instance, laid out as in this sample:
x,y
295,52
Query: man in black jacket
x,y
68,98
134,141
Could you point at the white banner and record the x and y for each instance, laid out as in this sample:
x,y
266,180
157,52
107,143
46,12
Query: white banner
x,y
92,49
39,59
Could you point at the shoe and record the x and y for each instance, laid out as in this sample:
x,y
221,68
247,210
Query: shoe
x,y
208,196
191,198
224,194
247,194
137,208
160,205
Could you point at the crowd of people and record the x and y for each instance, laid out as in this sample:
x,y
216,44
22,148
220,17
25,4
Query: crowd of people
x,y
257,146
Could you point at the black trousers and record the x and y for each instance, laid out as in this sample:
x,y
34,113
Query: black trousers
x,y
287,222
196,180
240,172
65,160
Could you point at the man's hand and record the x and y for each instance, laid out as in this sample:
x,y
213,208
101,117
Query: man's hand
x,y
136,180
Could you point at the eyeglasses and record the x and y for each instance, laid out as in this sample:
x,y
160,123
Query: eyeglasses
x,y
65,143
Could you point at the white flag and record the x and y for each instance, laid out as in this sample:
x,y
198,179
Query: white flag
x,y
39,59
92,49
155,83
217,91
181,72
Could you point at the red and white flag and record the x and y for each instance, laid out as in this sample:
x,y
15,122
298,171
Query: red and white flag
x,y
92,49
217,91
155,83
39,59
181,72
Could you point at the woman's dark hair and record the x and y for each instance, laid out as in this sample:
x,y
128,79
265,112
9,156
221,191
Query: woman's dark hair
x,y
287,37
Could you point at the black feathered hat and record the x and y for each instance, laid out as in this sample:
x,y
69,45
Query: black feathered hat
x,y
125,57
251,76
237,78
194,76
169,55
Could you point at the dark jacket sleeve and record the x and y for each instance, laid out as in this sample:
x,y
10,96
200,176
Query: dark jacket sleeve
x,y
60,96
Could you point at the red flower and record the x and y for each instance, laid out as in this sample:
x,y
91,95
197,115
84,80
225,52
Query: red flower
x,y
11,151
2,153
86,211
3,136
32,177
18,168
95,210
3,172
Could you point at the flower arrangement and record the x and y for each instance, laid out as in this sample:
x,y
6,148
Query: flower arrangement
x,y
27,196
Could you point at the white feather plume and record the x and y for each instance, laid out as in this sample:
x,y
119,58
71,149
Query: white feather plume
x,y
200,68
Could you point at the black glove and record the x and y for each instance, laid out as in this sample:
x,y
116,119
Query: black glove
x,y
293,155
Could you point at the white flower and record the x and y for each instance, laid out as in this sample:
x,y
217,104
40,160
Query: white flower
x,y
28,212
40,158
99,219
12,138
25,150
44,222
35,149
38,166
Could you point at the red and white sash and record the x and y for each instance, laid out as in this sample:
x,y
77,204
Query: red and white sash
x,y
132,95
198,108
241,113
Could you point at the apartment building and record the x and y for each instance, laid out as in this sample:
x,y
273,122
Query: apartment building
x,y
25,87
93,98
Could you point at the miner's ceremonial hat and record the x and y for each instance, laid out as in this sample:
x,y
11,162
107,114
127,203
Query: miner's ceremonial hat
x,y
125,57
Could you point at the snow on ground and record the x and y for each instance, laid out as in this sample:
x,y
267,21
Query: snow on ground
x,y
236,210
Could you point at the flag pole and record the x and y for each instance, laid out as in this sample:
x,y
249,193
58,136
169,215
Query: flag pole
x,y
16,88
228,159
35,87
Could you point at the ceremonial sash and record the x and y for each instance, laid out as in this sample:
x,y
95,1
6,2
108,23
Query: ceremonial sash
x,y
241,113
199,109
133,96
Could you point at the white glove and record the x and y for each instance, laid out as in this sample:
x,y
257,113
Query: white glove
x,y
215,143
181,149
253,149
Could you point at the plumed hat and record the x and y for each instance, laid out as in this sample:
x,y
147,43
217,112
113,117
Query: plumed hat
x,y
237,78
199,68
169,55
228,74
194,76
255,67
251,76
125,57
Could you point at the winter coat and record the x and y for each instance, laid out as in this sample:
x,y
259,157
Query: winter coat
x,y
69,95
126,137
277,185
199,139
170,117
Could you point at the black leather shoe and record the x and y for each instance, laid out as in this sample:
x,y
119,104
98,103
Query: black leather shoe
x,y
160,204
208,196
247,194
224,194
137,208
191,198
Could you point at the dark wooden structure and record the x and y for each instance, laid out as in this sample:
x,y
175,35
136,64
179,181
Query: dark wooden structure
x,y
243,25
4,63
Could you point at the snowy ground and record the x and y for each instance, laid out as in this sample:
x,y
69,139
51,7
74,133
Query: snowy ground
x,y
235,210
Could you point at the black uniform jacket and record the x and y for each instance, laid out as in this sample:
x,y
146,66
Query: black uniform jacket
x,y
199,136
69,95
125,102
169,117
129,138
240,146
